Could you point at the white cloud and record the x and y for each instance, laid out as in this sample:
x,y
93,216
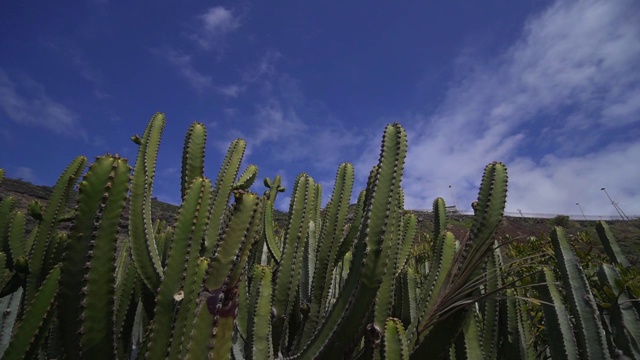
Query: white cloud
x,y
560,183
199,81
264,69
27,103
566,89
214,25
27,174
231,90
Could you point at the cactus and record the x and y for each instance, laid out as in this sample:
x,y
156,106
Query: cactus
x,y
327,248
31,327
562,342
143,243
258,340
287,278
190,228
192,156
394,341
344,324
590,333
88,265
219,283
40,249
217,301
624,320
611,246
443,322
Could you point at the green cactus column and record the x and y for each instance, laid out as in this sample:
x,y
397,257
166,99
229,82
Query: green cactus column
x,y
345,323
218,299
86,299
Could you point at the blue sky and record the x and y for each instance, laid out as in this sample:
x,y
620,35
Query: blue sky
x,y
551,88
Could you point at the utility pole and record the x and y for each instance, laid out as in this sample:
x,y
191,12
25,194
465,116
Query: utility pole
x,y
615,205
623,213
579,207
453,196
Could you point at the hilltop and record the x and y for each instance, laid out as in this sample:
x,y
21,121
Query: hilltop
x,y
626,232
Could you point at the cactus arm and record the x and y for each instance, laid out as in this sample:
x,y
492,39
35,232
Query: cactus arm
x,y
186,313
217,302
352,233
392,249
394,344
444,252
143,245
467,344
258,345
97,339
222,193
287,277
345,322
274,250
124,302
562,342
242,318
31,239
488,215
511,336
6,209
308,262
611,247
87,273
190,227
527,350
17,236
406,297
34,318
247,178
56,205
327,250
255,226
409,228
491,305
590,333
439,217
624,319
268,227
192,156
467,266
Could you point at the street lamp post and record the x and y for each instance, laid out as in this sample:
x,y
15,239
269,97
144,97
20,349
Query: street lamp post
x,y
615,205
580,207
453,196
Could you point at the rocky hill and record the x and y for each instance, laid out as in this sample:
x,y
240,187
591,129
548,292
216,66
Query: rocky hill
x,y
627,232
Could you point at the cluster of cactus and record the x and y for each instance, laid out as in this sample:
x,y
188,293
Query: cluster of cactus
x,y
574,304
224,282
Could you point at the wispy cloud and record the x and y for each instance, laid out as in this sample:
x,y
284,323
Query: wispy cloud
x,y
26,174
231,90
558,106
262,72
214,25
287,129
183,62
265,66
27,103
